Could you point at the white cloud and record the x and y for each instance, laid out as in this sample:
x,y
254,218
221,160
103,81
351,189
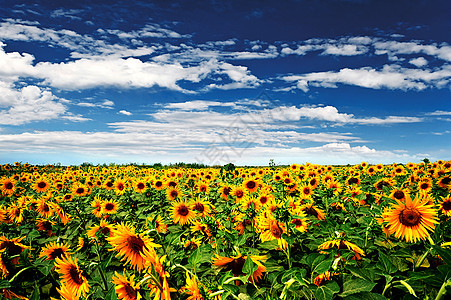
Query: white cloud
x,y
30,104
390,76
439,113
124,112
418,62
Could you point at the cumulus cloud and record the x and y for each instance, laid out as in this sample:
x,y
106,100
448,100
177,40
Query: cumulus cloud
x,y
124,112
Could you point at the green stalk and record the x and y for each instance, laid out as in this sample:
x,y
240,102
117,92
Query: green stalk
x,y
442,290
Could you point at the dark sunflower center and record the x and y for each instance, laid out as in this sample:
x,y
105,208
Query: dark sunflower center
x,y
203,188
120,186
446,205
12,248
226,190
158,183
130,291
306,191
199,207
353,180
311,211
140,186
172,184
67,197
183,211
313,181
9,185
45,207
109,206
263,199
135,244
445,180
58,252
75,275
42,184
424,186
47,225
276,231
399,195
250,185
105,230
381,184
297,222
174,194
109,184
239,194
80,191
287,180
409,217
236,266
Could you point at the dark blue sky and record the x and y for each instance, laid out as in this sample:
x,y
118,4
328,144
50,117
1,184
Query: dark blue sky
x,y
218,81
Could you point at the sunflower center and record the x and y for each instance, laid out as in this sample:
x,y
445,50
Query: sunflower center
x,y
445,180
140,186
135,244
236,265
42,184
47,225
263,199
105,230
226,190
12,248
409,217
58,252
75,275
297,222
353,180
120,186
199,207
446,205
239,194
109,184
9,185
158,183
424,186
306,191
174,193
109,206
183,211
172,184
311,211
45,207
276,231
80,191
130,291
398,195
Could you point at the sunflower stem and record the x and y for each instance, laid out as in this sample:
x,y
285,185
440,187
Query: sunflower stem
x,y
17,274
442,290
102,275
421,260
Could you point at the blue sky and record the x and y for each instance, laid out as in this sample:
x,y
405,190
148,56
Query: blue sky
x,y
327,82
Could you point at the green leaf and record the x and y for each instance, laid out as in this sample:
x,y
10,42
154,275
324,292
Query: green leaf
x,y
385,264
269,245
4,284
364,273
326,292
358,285
36,295
323,266
366,296
249,266
111,295
200,255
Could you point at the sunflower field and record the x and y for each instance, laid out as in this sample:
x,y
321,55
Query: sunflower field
x,y
280,232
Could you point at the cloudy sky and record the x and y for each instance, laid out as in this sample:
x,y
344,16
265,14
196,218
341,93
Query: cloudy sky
x,y
327,82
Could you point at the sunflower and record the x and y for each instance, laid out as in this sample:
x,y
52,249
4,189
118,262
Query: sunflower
x,y
41,185
8,294
55,250
203,188
15,213
130,245
158,284
120,187
7,186
192,288
139,186
411,220
79,190
126,288
399,194
158,184
110,207
44,208
383,182
45,225
108,185
306,191
97,205
445,206
71,275
192,244
251,185
225,191
312,210
271,229
105,229
173,193
238,192
236,263
444,182
66,293
13,247
181,212
425,185
326,276
202,207
203,228
342,244
160,226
